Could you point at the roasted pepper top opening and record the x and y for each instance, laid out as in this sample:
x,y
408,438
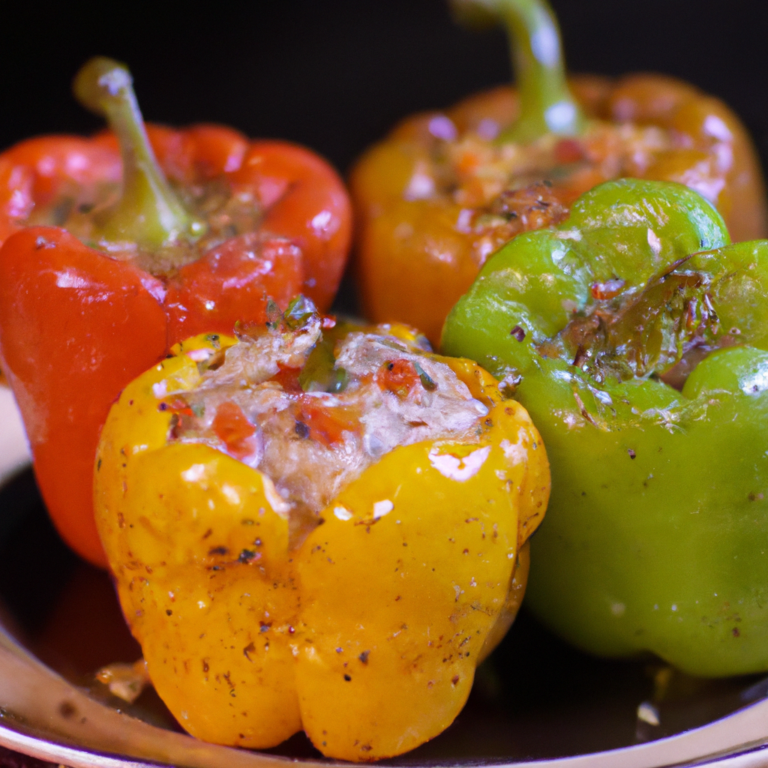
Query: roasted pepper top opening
x,y
312,404
156,222
663,328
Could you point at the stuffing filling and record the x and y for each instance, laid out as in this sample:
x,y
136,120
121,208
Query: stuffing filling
x,y
312,404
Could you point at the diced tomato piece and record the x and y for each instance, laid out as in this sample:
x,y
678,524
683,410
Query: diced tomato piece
x,y
288,379
325,425
234,430
399,377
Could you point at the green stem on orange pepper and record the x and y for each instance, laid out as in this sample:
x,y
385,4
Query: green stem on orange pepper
x,y
546,103
148,212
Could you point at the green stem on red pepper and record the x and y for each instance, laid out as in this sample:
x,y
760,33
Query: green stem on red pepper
x,y
148,212
546,103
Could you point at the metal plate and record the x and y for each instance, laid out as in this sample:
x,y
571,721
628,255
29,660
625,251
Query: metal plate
x,y
536,702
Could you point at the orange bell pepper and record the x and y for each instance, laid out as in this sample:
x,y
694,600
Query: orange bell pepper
x,y
447,189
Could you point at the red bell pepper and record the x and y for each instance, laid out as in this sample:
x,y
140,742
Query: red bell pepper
x,y
94,289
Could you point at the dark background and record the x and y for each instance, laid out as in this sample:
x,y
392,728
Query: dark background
x,y
336,74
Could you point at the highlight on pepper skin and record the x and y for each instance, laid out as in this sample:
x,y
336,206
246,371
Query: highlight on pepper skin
x,y
446,189
637,338
130,241
318,526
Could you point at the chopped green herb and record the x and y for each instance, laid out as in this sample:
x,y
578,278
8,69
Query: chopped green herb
x,y
426,380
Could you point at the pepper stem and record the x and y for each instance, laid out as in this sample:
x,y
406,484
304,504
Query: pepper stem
x,y
546,102
148,212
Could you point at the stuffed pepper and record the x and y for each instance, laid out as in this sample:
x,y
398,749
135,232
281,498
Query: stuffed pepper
x,y
636,335
319,527
447,189
111,258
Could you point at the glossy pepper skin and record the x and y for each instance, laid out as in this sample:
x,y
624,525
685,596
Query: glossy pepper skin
x,y
422,233
657,529
77,324
366,634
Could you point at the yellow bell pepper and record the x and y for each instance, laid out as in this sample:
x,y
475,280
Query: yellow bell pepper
x,y
365,632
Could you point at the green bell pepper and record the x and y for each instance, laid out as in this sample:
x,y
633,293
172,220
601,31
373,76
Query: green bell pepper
x,y
637,338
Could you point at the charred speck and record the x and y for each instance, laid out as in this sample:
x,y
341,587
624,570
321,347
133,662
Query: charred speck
x,y
168,612
301,429
246,556
218,551
347,678
518,333
631,453
364,656
67,709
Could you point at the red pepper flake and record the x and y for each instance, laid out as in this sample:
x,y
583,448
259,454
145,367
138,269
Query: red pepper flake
x,y
234,430
518,333
399,377
631,453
